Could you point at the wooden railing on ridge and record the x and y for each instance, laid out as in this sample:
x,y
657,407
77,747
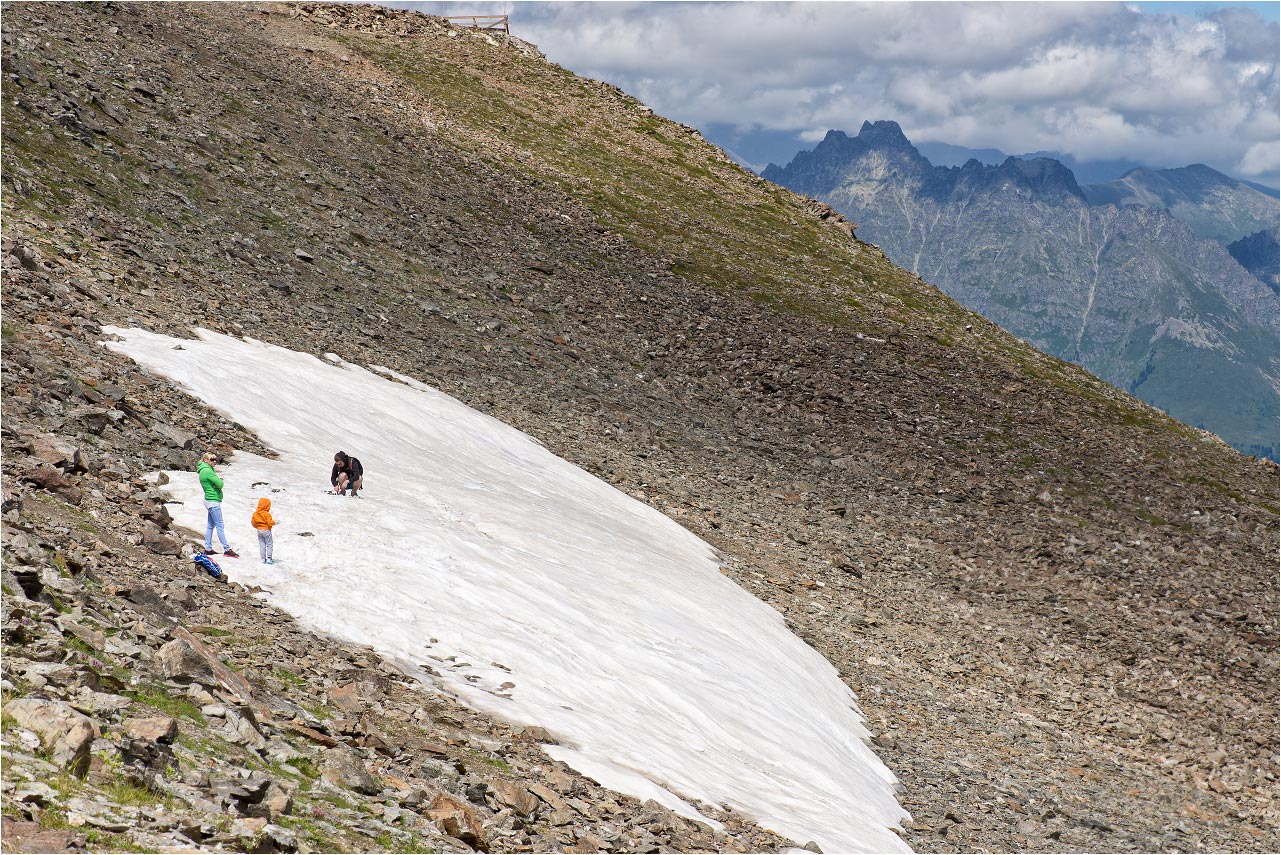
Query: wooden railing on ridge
x,y
483,22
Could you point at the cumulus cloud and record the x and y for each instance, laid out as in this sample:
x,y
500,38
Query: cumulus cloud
x,y
1095,80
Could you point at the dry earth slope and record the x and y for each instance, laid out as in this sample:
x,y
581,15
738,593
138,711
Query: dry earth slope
x,y
1057,607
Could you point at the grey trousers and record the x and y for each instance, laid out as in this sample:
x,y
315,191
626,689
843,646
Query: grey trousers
x,y
264,544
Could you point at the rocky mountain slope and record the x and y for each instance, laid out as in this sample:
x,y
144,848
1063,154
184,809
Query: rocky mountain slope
x,y
1215,206
1127,291
1056,605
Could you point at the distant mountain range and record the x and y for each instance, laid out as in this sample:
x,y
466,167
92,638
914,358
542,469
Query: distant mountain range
x,y
1120,277
1215,206
1086,171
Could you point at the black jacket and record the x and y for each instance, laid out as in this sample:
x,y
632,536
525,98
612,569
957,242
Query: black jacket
x,y
353,469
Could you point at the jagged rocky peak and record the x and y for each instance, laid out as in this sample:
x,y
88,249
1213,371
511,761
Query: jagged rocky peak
x,y
1042,175
810,171
884,134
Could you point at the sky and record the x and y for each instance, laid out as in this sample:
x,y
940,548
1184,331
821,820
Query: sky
x,y
1161,83
478,560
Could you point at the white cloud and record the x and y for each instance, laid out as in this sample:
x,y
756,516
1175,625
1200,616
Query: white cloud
x,y
1102,80
1261,158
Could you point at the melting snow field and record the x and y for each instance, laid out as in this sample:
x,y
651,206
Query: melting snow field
x,y
536,591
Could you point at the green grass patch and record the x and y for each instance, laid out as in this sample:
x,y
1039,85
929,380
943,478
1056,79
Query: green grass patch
x,y
158,698
79,518
78,644
288,677
1151,518
409,843
128,792
1221,489
110,842
336,801
7,722
305,766
320,711
54,818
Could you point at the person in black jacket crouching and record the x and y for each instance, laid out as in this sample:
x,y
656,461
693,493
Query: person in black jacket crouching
x,y
347,474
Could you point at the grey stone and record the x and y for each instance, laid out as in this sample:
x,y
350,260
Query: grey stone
x,y
64,733
343,767
179,660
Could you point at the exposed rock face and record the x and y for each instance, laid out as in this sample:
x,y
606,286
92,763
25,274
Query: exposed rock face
x,y
1058,608
1259,253
1124,289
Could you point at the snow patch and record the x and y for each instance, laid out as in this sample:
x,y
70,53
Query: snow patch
x,y
531,590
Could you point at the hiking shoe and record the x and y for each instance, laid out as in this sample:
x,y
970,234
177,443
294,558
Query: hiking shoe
x,y
208,551
353,495
269,561
231,553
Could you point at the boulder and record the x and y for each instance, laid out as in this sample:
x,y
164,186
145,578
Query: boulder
x,y
162,729
187,660
12,501
49,449
152,602
95,420
173,436
534,733
48,478
245,795
158,514
147,757
64,733
348,698
514,796
279,800
457,819
82,462
342,767
158,542
179,660
95,638
275,838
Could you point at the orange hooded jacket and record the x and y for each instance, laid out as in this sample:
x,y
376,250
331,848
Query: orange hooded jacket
x,y
262,517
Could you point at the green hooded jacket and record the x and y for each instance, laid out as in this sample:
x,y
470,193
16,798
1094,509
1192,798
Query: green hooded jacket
x,y
210,481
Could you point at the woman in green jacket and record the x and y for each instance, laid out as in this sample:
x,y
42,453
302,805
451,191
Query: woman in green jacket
x,y
212,486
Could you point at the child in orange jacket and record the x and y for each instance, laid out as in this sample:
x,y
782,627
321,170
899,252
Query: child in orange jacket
x,y
263,521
